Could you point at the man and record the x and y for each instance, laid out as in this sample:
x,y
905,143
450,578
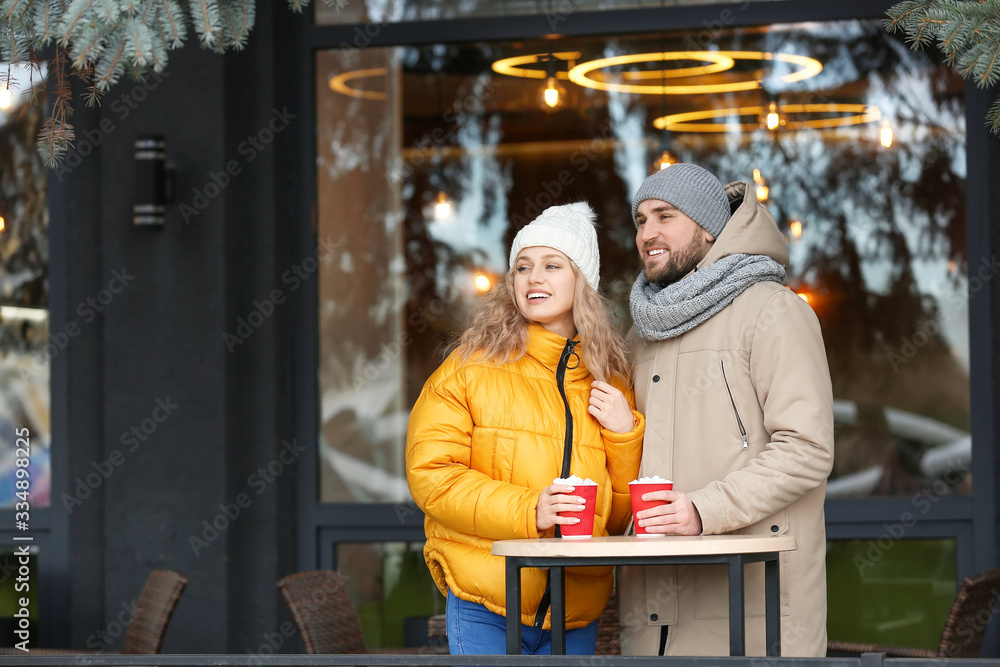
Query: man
x,y
731,373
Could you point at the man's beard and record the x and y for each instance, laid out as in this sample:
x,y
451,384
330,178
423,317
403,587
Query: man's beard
x,y
680,263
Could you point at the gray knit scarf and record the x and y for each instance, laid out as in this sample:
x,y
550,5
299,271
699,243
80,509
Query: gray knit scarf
x,y
665,313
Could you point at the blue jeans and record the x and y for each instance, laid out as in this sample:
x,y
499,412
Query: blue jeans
x,y
475,630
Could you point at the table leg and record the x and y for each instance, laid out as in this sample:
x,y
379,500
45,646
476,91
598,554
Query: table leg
x,y
513,606
737,624
772,606
557,577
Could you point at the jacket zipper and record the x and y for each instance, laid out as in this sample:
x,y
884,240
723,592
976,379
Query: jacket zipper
x,y
568,351
739,422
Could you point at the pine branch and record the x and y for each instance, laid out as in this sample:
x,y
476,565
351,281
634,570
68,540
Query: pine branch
x,y
108,10
967,32
45,21
993,117
26,7
238,17
173,23
138,43
112,63
56,135
88,47
91,94
205,18
72,18
159,58
99,40
11,9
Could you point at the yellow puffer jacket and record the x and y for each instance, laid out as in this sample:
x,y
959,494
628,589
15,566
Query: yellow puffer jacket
x,y
483,441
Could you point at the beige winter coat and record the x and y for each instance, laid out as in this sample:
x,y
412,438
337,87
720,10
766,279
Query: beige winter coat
x,y
757,367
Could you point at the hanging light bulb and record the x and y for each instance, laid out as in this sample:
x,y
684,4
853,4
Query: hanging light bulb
x,y
442,206
3,224
483,283
665,159
6,99
795,229
553,95
762,190
885,134
773,118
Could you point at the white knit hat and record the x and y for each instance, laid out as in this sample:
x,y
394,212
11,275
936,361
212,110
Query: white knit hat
x,y
570,230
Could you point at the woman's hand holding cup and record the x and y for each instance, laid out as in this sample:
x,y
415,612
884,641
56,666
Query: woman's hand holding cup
x,y
555,498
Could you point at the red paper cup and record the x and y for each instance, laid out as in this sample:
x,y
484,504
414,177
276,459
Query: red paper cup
x,y
585,529
636,490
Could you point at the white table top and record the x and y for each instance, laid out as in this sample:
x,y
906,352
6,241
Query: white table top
x,y
668,545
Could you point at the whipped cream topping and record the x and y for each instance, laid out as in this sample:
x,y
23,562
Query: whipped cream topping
x,y
655,479
573,480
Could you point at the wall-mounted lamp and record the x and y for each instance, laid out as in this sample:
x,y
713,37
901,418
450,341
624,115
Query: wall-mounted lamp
x,y
154,182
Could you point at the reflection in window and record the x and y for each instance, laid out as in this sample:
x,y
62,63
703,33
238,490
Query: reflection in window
x,y
431,158
890,591
392,590
25,345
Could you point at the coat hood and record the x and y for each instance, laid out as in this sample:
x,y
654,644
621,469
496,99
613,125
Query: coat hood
x,y
752,229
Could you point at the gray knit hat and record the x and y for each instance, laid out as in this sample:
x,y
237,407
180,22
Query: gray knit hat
x,y
570,230
694,191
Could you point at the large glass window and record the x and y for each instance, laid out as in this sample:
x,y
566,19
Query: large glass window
x,y
431,158
26,348
392,591
890,591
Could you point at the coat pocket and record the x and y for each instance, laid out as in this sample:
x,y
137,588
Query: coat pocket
x,y
740,426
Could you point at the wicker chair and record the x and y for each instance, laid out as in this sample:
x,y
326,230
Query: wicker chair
x,y
608,629
963,630
326,618
153,610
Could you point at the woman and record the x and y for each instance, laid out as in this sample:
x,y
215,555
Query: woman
x,y
489,433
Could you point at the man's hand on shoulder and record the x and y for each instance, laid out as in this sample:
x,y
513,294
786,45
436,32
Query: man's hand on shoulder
x,y
679,516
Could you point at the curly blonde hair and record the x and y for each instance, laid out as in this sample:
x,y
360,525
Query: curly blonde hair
x,y
498,332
